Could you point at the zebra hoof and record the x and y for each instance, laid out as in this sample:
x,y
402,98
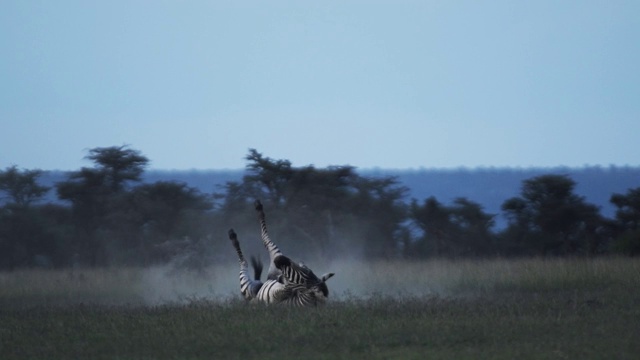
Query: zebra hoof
x,y
232,235
258,205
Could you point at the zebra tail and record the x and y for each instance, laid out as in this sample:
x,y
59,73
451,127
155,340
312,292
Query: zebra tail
x,y
257,267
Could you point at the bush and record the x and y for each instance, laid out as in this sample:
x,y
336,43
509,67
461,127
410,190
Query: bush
x,y
628,243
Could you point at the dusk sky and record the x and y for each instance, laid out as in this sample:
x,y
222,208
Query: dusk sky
x,y
390,84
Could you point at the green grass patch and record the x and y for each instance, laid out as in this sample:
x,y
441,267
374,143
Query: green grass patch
x,y
499,309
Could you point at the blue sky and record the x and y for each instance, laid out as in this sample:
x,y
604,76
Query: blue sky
x,y
391,84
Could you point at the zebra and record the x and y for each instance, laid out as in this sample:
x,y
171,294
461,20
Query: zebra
x,y
287,282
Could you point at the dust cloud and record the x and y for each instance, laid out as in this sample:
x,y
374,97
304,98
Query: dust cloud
x,y
354,279
169,285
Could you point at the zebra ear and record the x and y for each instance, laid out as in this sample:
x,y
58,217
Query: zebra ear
x,y
327,276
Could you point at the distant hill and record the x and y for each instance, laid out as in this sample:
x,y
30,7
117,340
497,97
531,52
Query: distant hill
x,y
489,187
207,181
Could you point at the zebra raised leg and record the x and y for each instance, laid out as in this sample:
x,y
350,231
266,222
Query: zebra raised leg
x,y
271,291
304,274
271,247
248,287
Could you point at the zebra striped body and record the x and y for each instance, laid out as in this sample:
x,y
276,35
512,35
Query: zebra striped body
x,y
287,282
274,292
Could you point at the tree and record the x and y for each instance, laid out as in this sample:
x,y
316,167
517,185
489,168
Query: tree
x,y
270,176
380,205
628,209
462,229
319,208
148,215
24,231
96,192
21,186
166,208
627,222
434,219
118,164
473,227
90,189
550,219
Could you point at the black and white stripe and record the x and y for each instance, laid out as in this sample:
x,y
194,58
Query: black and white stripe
x,y
273,250
287,282
248,288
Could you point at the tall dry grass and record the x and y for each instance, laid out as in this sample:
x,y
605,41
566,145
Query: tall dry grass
x,y
482,277
354,279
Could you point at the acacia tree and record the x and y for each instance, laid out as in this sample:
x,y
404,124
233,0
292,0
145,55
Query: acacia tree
x,y
118,165
549,218
21,186
89,188
95,192
269,177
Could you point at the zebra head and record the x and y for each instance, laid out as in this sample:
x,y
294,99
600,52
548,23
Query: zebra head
x,y
300,274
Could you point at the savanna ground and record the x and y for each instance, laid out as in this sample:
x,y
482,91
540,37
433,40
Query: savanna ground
x,y
437,309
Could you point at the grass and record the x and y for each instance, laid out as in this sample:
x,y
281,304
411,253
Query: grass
x,y
499,309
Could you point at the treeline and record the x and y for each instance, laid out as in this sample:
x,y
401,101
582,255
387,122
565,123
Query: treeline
x,y
107,216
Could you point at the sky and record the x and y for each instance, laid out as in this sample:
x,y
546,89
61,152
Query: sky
x,y
386,84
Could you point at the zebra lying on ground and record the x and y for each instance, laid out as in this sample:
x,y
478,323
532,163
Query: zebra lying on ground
x,y
287,282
